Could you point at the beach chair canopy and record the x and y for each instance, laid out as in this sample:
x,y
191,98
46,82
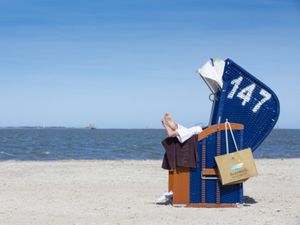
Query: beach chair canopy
x,y
241,98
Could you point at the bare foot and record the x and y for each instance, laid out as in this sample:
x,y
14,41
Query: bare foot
x,y
169,122
170,132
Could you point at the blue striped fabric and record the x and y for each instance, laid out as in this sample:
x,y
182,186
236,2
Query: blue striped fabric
x,y
245,99
230,194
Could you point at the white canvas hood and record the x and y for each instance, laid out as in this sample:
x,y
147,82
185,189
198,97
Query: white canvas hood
x,y
212,72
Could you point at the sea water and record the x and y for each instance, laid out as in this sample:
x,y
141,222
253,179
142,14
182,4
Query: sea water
x,y
114,144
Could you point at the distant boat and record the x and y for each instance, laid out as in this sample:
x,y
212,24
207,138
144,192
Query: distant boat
x,y
91,126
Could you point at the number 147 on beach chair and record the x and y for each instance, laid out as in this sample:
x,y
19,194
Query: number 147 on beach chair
x,y
252,108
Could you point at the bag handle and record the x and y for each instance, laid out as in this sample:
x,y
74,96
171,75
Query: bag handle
x,y
226,135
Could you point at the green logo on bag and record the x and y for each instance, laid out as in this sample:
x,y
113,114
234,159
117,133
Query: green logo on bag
x,y
236,166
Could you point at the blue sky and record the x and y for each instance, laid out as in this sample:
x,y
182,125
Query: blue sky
x,y
122,64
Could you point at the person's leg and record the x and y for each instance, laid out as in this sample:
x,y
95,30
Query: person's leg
x,y
169,131
169,121
186,133
174,129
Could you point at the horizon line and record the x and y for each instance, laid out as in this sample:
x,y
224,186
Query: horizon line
x,y
106,128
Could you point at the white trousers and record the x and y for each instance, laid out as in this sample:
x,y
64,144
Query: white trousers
x,y
185,133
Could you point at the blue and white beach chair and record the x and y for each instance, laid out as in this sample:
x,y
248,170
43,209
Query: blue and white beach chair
x,y
253,110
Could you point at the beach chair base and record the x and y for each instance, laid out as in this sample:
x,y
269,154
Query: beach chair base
x,y
211,205
201,187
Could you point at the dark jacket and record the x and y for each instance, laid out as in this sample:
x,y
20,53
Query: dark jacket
x,y
180,154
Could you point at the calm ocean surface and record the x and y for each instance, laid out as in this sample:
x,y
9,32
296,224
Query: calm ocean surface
x,y
83,144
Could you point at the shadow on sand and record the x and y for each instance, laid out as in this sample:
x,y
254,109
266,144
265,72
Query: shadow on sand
x,y
249,201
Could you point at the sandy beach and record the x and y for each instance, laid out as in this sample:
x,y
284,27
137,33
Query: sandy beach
x,y
124,192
